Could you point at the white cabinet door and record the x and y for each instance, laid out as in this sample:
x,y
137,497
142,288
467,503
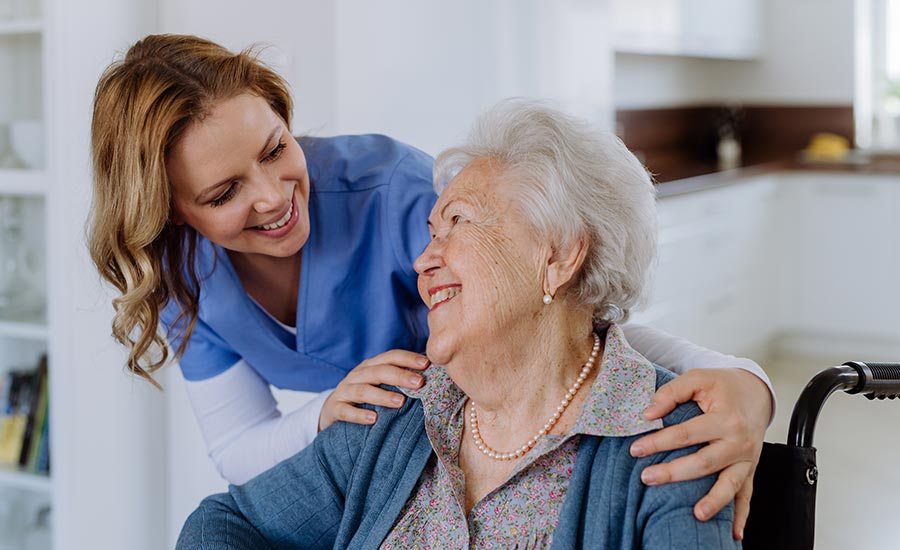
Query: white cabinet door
x,y
711,284
811,258
646,26
728,29
720,28
844,269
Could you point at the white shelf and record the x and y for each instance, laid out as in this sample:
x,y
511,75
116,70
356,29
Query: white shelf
x,y
11,478
23,182
23,330
21,26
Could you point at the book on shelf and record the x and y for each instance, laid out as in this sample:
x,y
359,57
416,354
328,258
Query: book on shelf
x,y
24,419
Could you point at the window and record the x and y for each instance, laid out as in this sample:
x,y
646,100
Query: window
x,y
877,94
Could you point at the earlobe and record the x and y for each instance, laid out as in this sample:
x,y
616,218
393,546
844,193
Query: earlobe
x,y
564,264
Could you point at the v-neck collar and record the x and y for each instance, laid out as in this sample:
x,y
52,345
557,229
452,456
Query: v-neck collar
x,y
248,309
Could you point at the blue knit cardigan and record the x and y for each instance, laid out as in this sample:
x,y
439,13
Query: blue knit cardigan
x,y
348,488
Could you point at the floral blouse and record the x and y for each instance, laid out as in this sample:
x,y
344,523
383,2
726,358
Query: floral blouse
x,y
523,511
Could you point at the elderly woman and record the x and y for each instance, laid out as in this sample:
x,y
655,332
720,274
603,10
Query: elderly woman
x,y
520,436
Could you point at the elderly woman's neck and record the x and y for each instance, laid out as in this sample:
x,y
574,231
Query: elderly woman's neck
x,y
529,369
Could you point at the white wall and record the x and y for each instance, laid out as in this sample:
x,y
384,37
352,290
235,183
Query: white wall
x,y
412,70
422,71
807,56
806,59
298,36
650,81
418,71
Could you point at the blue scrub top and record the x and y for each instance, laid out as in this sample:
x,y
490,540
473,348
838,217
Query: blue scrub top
x,y
370,197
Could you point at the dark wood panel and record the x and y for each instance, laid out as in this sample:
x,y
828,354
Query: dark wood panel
x,y
680,142
772,132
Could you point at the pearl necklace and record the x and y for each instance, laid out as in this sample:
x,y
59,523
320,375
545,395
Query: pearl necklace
x,y
521,451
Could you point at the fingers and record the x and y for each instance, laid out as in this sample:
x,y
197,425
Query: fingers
x,y
680,390
348,413
699,429
372,395
377,374
742,508
361,385
390,368
400,358
730,481
718,455
340,405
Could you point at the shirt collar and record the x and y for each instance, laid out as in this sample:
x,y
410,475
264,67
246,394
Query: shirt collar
x,y
438,394
624,387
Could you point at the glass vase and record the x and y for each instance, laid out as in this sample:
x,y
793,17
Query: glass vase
x,y
19,298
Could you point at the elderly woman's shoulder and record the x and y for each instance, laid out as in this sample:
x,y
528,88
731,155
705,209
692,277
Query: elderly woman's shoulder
x,y
682,412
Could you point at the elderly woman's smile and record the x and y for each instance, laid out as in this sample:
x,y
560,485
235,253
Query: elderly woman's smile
x,y
443,294
481,272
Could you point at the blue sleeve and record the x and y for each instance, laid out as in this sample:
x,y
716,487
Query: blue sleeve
x,y
205,355
667,512
410,201
411,198
299,503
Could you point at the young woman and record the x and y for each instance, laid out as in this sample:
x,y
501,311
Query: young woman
x,y
269,260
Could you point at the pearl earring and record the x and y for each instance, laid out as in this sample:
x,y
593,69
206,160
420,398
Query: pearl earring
x,y
547,299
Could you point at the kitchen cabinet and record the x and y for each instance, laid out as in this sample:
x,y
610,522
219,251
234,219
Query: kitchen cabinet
x,y
845,234
794,262
726,29
710,283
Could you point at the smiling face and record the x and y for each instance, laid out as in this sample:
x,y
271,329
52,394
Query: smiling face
x,y
481,275
239,178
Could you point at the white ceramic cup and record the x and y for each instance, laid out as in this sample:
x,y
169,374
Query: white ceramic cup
x,y
27,140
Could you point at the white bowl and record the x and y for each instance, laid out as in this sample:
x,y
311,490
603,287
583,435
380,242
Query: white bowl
x,y
27,140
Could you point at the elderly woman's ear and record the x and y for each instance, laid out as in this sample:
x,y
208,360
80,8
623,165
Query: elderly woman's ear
x,y
564,264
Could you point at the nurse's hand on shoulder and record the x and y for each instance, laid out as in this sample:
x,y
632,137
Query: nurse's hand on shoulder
x,y
361,386
737,407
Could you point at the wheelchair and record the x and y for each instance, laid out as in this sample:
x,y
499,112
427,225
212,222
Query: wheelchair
x,y
783,505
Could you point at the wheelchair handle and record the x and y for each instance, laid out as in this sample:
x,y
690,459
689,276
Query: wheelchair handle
x,y
877,380
874,380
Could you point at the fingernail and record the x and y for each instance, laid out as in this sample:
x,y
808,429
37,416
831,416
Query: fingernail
x,y
371,417
637,451
415,380
741,534
422,361
648,477
397,399
704,512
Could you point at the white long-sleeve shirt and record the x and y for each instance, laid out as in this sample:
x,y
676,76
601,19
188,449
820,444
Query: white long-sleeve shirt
x,y
246,434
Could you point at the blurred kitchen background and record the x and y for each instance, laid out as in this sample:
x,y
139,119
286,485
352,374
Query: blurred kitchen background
x,y
773,127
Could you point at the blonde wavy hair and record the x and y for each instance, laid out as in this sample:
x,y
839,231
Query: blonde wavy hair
x,y
142,106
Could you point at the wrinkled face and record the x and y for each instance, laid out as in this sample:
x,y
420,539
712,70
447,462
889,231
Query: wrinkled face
x,y
239,178
481,273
